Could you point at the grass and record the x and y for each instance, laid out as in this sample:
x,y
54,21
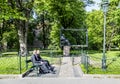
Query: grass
x,y
10,63
113,63
109,54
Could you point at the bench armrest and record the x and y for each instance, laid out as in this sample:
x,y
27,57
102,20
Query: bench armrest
x,y
28,61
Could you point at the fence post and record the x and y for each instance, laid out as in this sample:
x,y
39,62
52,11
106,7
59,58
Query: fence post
x,y
82,57
51,53
72,59
60,59
26,60
19,54
87,63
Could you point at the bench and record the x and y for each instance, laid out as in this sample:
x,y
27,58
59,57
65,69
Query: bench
x,y
35,67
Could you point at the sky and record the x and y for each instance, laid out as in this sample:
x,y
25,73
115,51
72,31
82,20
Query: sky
x,y
96,6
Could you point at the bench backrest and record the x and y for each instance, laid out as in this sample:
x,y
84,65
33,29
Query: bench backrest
x,y
34,61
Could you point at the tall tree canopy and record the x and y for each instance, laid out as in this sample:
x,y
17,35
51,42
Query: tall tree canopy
x,y
17,12
95,26
68,14
62,13
16,20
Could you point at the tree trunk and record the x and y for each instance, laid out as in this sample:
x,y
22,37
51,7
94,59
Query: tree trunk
x,y
43,25
23,6
22,38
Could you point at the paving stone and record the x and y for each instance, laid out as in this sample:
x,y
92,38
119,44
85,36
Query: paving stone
x,y
66,69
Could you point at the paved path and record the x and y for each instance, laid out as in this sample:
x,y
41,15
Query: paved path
x,y
66,69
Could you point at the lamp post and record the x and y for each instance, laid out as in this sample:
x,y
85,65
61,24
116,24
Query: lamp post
x,y
104,7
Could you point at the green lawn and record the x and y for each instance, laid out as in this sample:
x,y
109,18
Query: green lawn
x,y
113,63
10,62
109,54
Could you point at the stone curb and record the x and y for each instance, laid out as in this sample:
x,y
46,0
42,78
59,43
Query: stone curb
x,y
103,76
10,76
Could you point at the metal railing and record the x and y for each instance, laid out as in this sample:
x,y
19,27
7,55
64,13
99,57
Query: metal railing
x,y
93,65
12,63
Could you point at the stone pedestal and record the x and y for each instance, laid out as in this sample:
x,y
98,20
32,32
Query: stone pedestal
x,y
66,50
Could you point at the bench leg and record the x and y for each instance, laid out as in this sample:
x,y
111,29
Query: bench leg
x,y
36,68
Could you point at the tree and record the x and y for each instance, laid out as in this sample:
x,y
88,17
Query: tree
x,y
19,11
41,9
67,14
61,13
25,7
113,28
6,21
95,25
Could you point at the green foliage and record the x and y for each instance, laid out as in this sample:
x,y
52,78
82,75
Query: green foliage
x,y
95,28
7,36
12,11
30,38
8,12
66,15
83,68
10,36
54,36
57,14
113,28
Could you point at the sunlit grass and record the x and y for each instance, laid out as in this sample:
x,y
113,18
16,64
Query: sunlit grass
x,y
112,62
10,62
109,54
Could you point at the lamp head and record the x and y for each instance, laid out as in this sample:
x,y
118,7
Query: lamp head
x,y
104,5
